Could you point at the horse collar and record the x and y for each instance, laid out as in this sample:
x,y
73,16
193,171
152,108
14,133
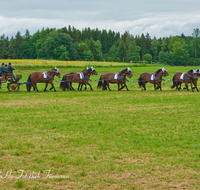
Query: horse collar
x,y
81,75
116,76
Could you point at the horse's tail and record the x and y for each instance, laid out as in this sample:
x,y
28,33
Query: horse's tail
x,y
100,82
174,84
28,85
140,82
62,84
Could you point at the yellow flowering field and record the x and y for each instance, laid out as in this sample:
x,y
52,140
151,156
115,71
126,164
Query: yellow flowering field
x,y
40,62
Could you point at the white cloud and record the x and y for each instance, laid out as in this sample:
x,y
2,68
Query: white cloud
x,y
156,17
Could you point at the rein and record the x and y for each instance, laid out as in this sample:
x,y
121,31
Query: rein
x,y
190,76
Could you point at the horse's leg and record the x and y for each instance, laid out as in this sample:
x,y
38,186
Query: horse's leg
x,y
53,87
126,87
35,88
154,86
89,86
160,87
82,86
186,86
179,86
144,86
191,87
71,86
195,86
107,84
46,87
79,86
122,86
85,86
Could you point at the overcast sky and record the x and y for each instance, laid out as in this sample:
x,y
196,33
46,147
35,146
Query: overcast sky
x,y
157,17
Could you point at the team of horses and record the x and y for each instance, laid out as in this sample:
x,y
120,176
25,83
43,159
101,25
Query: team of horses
x,y
83,78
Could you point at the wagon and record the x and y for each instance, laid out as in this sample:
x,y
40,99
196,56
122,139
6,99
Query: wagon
x,y
12,85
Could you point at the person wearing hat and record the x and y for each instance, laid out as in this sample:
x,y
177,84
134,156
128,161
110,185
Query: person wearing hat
x,y
2,73
2,70
10,68
6,67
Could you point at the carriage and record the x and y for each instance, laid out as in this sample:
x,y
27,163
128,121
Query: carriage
x,y
12,82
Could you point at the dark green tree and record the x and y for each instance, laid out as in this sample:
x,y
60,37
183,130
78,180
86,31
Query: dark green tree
x,y
4,45
130,45
104,41
195,34
122,51
143,45
154,49
25,50
98,51
53,44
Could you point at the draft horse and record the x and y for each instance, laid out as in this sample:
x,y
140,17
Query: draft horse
x,y
155,78
195,81
81,78
190,77
119,78
64,85
40,77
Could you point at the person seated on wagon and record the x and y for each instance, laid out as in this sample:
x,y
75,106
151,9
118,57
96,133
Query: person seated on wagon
x,y
2,70
6,67
10,68
2,73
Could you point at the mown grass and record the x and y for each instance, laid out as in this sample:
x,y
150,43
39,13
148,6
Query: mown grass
x,y
100,139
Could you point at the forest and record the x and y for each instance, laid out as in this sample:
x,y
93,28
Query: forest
x,y
69,43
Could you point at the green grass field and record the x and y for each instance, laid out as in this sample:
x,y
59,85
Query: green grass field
x,y
100,140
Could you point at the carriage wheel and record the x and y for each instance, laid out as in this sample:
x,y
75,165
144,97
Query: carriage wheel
x,y
13,87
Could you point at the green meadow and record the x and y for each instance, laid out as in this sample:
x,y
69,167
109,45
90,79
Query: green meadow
x,y
100,139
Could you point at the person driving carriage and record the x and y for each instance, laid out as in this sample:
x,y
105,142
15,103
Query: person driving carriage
x,y
10,68
2,73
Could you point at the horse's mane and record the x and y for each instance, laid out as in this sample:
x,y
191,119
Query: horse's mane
x,y
190,71
122,71
158,71
89,69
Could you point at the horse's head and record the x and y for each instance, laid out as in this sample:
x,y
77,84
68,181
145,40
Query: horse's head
x,y
85,70
57,72
127,72
198,72
90,71
93,71
195,73
163,71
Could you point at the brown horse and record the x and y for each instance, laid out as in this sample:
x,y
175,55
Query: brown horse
x,y
190,77
155,78
195,81
64,85
81,78
119,78
42,78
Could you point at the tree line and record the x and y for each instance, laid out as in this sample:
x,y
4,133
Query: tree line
x,y
69,43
